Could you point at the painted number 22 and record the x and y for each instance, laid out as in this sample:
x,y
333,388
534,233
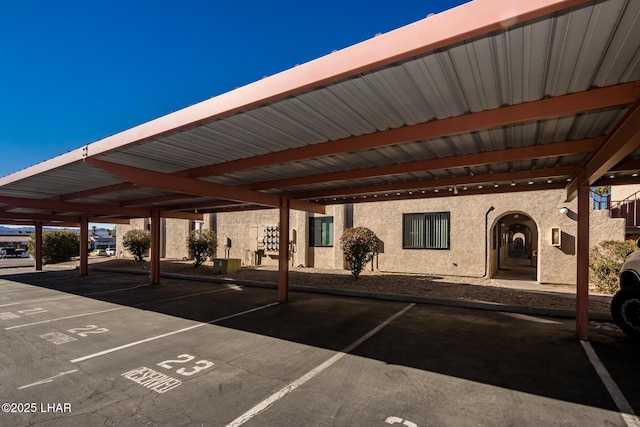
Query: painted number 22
x,y
89,329
198,366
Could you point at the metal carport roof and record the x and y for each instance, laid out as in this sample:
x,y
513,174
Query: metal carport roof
x,y
486,97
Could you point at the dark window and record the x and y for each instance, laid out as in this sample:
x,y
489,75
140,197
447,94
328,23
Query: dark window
x,y
425,230
321,231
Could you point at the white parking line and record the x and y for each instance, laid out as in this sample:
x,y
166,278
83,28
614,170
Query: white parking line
x,y
530,318
260,407
22,289
64,318
110,291
47,380
621,402
38,300
114,309
181,297
111,350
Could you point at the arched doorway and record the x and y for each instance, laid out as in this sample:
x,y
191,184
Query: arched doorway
x,y
515,247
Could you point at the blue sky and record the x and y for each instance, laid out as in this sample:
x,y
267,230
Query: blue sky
x,y
74,72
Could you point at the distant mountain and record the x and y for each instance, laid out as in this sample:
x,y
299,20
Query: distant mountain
x,y
20,230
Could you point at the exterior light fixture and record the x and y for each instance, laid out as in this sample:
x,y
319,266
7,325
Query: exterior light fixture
x,y
513,184
496,185
564,210
530,182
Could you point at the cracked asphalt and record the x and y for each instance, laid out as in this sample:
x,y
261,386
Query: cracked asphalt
x,y
107,349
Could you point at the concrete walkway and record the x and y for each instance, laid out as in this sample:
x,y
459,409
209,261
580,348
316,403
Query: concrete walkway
x,y
518,273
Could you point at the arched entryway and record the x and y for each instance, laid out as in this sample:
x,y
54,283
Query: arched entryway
x,y
514,247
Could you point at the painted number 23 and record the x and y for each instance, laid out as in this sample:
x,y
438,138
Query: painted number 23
x,y
198,366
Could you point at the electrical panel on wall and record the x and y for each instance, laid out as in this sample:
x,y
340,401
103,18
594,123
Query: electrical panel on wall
x,y
271,238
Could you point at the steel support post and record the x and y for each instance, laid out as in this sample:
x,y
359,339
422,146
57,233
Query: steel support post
x,y
84,246
283,259
155,247
582,276
38,249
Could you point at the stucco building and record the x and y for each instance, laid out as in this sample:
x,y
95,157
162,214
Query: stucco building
x,y
457,235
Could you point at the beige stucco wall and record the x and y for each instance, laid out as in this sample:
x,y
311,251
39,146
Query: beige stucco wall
x,y
238,226
121,229
466,256
174,238
621,192
470,239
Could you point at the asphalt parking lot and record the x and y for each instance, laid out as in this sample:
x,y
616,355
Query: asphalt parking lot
x,y
107,349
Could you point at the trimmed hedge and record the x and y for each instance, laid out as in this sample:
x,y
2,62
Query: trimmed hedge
x,y
605,263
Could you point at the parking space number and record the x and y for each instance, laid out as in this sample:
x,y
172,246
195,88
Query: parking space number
x,y
198,366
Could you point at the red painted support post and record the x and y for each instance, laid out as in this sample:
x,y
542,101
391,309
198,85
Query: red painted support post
x,y
582,290
84,248
283,258
155,247
38,248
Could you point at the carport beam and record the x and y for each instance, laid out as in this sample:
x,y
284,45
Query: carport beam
x,y
84,246
155,247
582,274
283,259
38,246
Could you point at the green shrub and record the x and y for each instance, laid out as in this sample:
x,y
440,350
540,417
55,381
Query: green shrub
x,y
605,262
137,243
202,244
57,246
359,246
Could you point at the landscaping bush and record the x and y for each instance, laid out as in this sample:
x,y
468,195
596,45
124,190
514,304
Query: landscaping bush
x,y
605,262
202,244
359,246
137,242
57,246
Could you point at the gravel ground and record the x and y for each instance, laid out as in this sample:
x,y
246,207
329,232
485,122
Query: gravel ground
x,y
443,287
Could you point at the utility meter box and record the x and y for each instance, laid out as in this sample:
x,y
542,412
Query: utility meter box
x,y
226,265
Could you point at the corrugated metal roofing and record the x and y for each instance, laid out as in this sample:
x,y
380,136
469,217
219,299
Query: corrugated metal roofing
x,y
574,50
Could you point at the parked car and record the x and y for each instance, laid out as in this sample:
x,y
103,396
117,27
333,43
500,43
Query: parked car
x,y
625,305
98,252
13,253
110,252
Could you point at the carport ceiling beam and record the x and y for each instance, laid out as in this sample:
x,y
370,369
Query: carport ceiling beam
x,y
621,142
96,191
595,99
510,155
50,217
537,110
508,177
96,209
151,179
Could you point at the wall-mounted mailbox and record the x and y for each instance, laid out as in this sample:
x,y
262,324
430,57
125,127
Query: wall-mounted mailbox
x,y
556,236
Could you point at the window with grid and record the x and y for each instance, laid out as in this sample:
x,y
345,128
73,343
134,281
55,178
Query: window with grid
x,y
321,231
426,230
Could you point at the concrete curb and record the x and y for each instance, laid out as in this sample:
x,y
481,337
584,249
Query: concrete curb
x,y
479,305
